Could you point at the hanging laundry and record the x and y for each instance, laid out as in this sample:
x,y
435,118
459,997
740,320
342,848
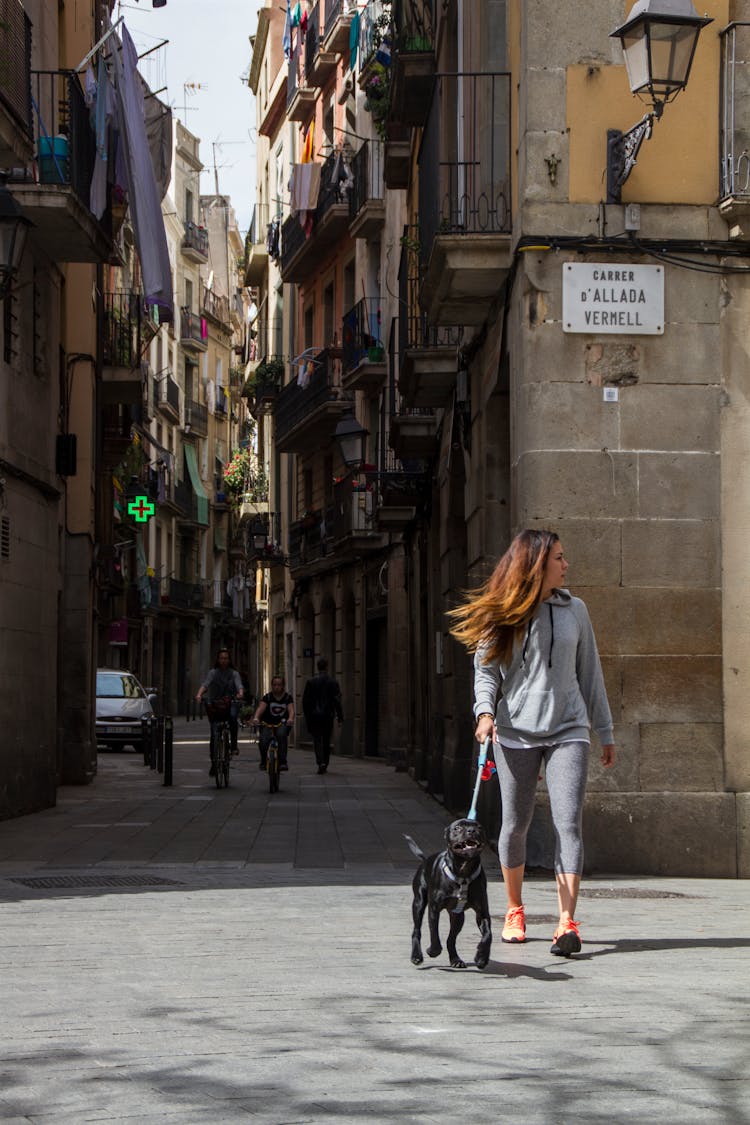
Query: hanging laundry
x,y
297,15
102,116
143,197
354,40
303,23
286,39
304,187
273,240
308,146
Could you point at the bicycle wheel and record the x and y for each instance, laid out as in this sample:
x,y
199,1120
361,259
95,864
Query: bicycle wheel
x,y
226,753
273,766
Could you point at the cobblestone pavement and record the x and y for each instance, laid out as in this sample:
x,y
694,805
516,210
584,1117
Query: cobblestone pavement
x,y
187,954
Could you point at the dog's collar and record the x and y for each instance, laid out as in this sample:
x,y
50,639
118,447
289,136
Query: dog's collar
x,y
462,884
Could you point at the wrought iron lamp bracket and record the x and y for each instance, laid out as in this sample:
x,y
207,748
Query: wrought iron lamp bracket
x,y
622,153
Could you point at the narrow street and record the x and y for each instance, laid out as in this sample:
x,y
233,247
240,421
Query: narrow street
x,y
187,954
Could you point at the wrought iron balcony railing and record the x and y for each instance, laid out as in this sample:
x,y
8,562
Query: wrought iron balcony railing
x,y
362,334
15,71
167,394
332,191
464,180
192,327
367,169
196,416
296,403
414,328
65,141
126,329
215,305
195,239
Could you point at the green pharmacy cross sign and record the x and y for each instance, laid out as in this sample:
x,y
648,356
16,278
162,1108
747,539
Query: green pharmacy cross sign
x,y
141,508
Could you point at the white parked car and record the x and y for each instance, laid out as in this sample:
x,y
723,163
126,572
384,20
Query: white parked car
x,y
121,703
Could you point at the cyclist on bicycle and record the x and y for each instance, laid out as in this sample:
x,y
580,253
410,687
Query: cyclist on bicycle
x,y
276,709
223,682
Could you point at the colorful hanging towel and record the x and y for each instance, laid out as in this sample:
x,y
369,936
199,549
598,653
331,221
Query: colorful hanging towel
x,y
297,16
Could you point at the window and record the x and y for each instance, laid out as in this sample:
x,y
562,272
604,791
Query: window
x,y
309,320
188,294
329,333
188,206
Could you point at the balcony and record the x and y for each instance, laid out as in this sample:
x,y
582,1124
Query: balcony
x,y
366,200
413,62
306,416
126,333
256,249
319,63
65,146
363,365
400,494
196,417
337,25
186,503
464,198
396,155
734,173
184,595
300,255
353,511
195,243
193,331
311,544
427,353
216,306
16,122
117,432
262,388
300,99
167,397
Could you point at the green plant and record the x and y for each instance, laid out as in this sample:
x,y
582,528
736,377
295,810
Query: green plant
x,y
270,371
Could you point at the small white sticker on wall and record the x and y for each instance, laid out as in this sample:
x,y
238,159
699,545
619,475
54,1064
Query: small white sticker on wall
x,y
611,394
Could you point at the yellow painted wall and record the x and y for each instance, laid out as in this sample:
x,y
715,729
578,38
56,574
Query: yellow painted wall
x,y
680,163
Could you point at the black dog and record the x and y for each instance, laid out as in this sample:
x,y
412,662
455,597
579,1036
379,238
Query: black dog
x,y
452,880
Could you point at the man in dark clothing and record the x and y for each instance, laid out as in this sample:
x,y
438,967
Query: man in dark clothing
x,y
222,686
321,701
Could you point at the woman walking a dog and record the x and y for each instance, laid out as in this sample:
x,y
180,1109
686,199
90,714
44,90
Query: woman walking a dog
x,y
533,643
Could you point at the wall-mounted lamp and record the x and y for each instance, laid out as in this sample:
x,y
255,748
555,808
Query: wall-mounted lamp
x,y
658,43
351,438
14,227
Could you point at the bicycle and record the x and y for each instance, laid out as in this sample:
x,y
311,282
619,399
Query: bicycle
x,y
273,759
221,740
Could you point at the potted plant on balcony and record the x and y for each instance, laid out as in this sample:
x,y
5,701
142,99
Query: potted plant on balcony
x,y
378,97
237,473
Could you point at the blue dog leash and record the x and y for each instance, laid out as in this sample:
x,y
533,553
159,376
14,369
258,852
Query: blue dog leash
x,y
480,767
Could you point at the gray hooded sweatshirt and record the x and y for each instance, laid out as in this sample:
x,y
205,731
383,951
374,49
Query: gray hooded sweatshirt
x,y
553,688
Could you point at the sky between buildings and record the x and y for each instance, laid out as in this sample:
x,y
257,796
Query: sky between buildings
x,y
204,67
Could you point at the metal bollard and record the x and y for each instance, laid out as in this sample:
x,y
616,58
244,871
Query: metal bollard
x,y
168,745
146,739
152,746
160,744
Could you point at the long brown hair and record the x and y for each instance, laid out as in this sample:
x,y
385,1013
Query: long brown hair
x,y
496,613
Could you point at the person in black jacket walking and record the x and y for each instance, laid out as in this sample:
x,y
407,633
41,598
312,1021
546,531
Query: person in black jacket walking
x,y
321,702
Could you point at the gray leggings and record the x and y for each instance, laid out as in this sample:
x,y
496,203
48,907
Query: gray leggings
x,y
566,767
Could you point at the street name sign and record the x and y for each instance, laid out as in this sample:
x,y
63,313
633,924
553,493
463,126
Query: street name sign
x,y
617,298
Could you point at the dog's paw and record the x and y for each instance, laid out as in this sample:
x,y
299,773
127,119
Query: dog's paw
x,y
435,950
457,963
481,962
417,958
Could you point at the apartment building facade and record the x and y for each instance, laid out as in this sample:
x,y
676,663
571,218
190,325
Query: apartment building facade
x,y
501,402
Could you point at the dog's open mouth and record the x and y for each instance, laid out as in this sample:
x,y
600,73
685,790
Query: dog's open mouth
x,y
466,847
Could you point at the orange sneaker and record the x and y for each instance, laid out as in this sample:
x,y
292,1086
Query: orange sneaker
x,y
515,925
566,939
